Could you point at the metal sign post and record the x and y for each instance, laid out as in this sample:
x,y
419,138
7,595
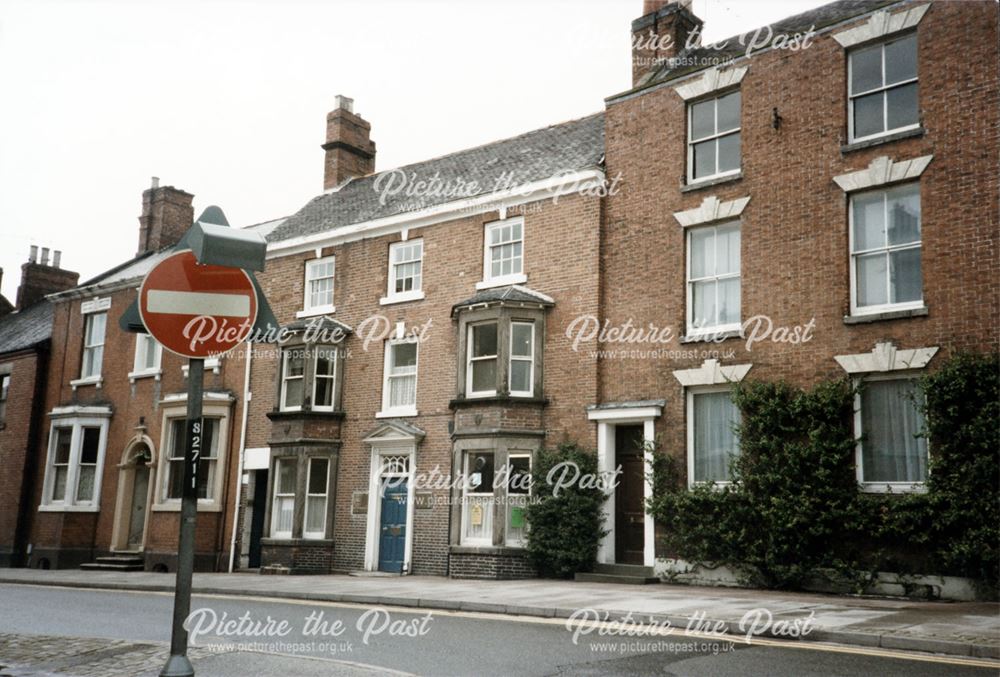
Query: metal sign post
x,y
199,301
178,664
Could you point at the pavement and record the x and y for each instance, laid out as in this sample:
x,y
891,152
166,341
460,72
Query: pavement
x,y
970,629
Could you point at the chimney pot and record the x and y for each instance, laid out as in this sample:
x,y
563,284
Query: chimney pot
x,y
33,253
56,258
45,256
345,103
155,183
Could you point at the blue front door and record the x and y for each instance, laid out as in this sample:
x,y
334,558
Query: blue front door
x,y
392,530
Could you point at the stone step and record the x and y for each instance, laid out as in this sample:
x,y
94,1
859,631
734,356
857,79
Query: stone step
x,y
104,566
121,559
616,578
623,570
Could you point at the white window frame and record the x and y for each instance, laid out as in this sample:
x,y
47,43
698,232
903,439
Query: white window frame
x,y
467,455
5,379
387,375
308,278
508,540
529,359
852,261
690,394
881,487
214,407
96,376
689,283
321,534
415,294
69,502
884,89
519,277
314,350
469,359
717,135
275,495
285,378
139,368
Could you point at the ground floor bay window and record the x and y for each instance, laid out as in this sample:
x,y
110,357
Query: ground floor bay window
x,y
75,459
301,493
493,493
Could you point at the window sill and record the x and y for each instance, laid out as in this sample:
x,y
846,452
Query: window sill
x,y
289,541
401,298
89,381
175,506
313,312
134,376
303,413
403,413
495,399
711,181
886,315
712,336
504,281
53,507
879,140
713,485
893,487
473,549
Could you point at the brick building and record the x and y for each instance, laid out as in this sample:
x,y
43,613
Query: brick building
x,y
25,343
108,479
842,192
809,207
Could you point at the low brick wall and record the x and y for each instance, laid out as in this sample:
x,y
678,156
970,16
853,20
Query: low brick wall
x,y
299,557
501,565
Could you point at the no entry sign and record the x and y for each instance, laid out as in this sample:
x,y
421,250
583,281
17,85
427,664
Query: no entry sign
x,y
196,310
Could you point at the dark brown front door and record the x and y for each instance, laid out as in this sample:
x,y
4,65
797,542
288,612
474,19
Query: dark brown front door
x,y
629,510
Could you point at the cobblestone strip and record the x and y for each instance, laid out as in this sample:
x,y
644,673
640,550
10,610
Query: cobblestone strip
x,y
47,656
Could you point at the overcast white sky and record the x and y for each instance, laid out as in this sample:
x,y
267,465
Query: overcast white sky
x,y
227,98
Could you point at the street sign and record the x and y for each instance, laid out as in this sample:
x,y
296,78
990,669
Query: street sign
x,y
197,310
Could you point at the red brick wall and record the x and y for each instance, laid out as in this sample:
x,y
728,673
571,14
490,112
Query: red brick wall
x,y
795,259
561,260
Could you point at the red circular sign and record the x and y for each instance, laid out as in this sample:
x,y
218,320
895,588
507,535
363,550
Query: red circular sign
x,y
197,310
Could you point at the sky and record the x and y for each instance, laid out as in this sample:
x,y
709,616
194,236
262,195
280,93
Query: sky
x,y
227,99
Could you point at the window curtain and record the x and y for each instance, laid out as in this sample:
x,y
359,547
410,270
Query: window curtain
x,y
714,438
891,450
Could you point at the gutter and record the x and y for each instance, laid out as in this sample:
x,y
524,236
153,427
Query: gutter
x,y
239,467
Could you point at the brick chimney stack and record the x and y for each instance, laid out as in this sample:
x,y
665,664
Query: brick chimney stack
x,y
659,34
38,278
349,150
167,213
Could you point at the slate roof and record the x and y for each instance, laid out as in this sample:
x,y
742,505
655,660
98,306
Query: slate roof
x,y
26,328
512,294
700,58
534,156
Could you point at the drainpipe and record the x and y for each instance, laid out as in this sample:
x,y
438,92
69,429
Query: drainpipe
x,y
243,443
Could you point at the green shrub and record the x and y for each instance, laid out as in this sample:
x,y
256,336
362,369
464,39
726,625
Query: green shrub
x,y
794,509
564,530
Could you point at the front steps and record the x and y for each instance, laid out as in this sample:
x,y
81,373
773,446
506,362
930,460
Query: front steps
x,y
628,574
116,563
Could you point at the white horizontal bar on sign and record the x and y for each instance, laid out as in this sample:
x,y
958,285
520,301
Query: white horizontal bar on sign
x,y
197,303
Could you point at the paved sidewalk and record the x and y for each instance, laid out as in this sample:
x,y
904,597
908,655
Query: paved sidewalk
x,y
953,628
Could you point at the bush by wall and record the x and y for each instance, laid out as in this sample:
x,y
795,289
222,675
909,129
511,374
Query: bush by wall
x,y
564,530
794,510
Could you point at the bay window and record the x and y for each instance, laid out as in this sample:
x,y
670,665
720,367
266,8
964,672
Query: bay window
x,y
882,88
308,378
478,498
74,465
522,358
886,269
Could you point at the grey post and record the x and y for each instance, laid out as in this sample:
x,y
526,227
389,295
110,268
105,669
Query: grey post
x,y
178,664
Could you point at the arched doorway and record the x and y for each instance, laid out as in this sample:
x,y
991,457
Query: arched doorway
x,y
134,493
